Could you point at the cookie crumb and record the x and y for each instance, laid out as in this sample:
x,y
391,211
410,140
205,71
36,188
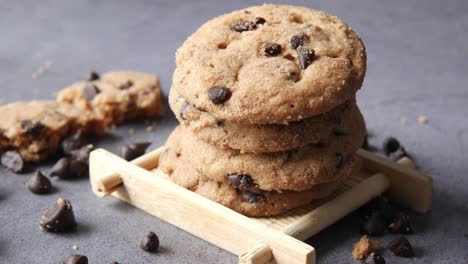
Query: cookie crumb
x,y
41,70
75,247
364,247
423,119
131,131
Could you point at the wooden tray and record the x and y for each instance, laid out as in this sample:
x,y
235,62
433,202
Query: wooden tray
x,y
254,240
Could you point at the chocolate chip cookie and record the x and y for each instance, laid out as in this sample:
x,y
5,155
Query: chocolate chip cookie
x,y
295,170
270,64
248,202
36,128
264,138
117,96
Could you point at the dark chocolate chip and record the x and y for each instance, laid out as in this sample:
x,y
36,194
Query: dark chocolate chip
x,y
401,247
374,225
241,181
383,206
260,21
242,26
305,56
219,94
114,262
398,154
134,150
339,160
401,224
82,153
32,128
75,259
390,145
220,123
374,258
150,242
74,142
299,40
253,197
61,169
39,184
126,85
183,108
59,217
272,49
78,168
90,91
93,76
13,161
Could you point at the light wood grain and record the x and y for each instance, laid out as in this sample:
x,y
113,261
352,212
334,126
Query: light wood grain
x,y
260,254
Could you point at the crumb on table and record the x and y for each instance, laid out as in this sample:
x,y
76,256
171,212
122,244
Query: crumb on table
x,y
364,247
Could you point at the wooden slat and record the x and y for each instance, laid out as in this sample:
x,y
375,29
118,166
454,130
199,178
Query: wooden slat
x,y
195,214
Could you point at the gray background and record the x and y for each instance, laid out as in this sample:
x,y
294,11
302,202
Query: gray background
x,y
417,57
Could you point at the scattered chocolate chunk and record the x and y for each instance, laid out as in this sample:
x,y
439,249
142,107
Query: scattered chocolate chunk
x,y
374,225
401,224
126,85
253,197
39,184
305,56
219,94
241,181
69,168
13,161
383,206
74,142
242,26
32,128
374,258
75,259
364,247
272,49
90,91
401,247
299,40
134,150
59,217
260,21
183,108
390,145
114,262
93,76
82,153
339,160
150,242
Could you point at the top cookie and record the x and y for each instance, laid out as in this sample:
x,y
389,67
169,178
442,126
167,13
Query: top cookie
x,y
270,64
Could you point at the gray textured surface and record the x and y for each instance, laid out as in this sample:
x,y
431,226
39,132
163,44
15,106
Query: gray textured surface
x,y
417,53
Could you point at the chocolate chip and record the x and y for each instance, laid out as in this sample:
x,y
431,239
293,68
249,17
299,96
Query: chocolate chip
x,y
272,49
134,150
82,153
59,217
241,181
374,258
220,123
183,108
390,145
219,94
401,224
374,225
305,56
253,197
260,21
74,142
299,40
150,242
32,128
126,85
13,161
398,154
69,168
242,26
90,91
93,76
75,259
39,184
339,160
401,247
293,76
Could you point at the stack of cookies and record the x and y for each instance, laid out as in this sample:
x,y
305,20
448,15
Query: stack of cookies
x,y
266,101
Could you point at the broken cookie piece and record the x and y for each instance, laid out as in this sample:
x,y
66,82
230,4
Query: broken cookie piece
x,y
364,247
59,217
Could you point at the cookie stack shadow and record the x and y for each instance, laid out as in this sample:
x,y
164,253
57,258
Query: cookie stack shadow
x,y
262,148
